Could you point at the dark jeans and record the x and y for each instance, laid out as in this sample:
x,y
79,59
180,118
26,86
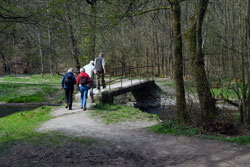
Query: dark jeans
x,y
68,96
99,76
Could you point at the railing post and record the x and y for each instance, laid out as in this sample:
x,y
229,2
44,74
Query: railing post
x,y
152,71
141,73
99,84
121,76
110,80
147,71
130,77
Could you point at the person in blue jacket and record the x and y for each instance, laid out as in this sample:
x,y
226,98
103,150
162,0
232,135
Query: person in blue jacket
x,y
68,82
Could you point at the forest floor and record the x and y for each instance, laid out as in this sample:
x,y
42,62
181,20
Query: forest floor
x,y
122,144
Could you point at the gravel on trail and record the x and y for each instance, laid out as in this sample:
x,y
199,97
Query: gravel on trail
x,y
129,144
138,146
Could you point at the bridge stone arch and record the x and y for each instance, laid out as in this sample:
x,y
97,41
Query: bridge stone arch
x,y
144,91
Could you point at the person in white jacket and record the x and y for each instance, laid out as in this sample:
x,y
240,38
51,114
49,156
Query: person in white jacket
x,y
89,69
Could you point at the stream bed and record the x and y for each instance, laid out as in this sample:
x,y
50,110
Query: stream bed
x,y
6,110
164,113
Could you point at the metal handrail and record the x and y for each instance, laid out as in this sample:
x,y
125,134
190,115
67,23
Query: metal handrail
x,y
122,71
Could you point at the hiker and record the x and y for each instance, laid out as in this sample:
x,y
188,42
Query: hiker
x,y
83,82
100,70
89,69
68,83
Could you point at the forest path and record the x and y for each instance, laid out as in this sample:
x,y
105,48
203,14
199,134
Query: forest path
x,y
134,145
146,148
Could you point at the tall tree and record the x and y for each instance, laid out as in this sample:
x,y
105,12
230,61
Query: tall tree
x,y
92,36
40,52
50,42
194,37
178,62
73,42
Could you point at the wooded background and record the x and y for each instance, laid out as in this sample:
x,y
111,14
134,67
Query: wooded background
x,y
209,39
39,33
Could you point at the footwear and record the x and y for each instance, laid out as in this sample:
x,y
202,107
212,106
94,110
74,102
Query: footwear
x,y
66,106
84,109
104,86
81,107
70,108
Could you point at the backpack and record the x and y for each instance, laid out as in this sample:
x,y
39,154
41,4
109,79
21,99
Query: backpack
x,y
68,81
98,64
83,81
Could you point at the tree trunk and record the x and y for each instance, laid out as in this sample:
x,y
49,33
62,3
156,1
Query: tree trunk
x,y
171,62
233,48
163,60
247,53
50,45
73,44
6,66
194,37
157,54
41,53
93,30
182,114
245,76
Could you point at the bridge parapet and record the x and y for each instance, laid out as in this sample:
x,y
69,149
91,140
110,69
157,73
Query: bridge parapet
x,y
140,91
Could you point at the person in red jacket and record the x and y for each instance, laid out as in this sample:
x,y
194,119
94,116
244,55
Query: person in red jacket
x,y
83,82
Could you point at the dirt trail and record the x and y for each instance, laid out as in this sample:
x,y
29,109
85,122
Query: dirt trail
x,y
128,144
146,148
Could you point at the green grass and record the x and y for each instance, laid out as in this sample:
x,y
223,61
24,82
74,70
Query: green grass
x,y
169,83
171,127
47,78
119,113
227,93
243,140
21,127
18,93
190,87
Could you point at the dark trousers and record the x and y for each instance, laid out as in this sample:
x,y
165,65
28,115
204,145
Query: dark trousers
x,y
100,75
68,96
91,86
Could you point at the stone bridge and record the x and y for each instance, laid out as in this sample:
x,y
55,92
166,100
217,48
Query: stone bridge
x,y
142,91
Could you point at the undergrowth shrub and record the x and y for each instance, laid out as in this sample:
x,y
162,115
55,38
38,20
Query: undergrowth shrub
x,y
225,123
